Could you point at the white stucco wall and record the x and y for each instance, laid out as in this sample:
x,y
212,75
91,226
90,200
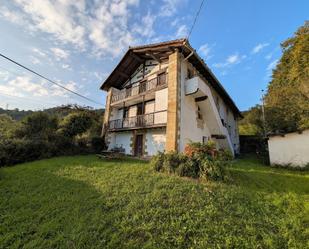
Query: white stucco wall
x,y
150,107
151,67
160,105
226,114
161,100
155,141
291,149
121,139
189,129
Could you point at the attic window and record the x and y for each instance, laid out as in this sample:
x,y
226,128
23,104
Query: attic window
x,y
190,73
199,113
205,139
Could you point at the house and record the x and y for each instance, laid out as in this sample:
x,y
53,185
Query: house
x,y
289,149
163,95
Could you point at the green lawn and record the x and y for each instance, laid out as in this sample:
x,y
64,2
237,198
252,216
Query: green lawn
x,y
85,202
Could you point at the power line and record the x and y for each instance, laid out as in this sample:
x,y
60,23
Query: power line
x,y
196,16
21,74
51,81
22,97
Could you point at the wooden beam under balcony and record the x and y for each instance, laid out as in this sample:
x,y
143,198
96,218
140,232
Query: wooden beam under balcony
x,y
218,136
199,99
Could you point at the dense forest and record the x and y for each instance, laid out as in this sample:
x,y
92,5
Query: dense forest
x,y
287,97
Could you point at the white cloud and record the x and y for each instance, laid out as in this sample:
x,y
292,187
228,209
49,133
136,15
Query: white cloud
x,y
230,60
272,65
109,29
24,84
182,31
146,28
205,51
98,27
34,60
12,16
60,92
169,7
60,54
38,52
258,48
66,66
56,18
9,90
4,75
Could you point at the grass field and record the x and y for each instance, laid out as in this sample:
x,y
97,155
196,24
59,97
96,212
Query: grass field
x,y
85,202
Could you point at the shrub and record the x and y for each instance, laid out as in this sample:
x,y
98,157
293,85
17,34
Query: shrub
x,y
15,151
212,169
172,161
198,161
157,161
189,168
201,149
97,144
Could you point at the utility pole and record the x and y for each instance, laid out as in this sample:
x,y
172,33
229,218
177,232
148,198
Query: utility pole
x,y
263,113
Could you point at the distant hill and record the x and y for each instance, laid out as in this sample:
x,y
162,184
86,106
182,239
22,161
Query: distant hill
x,y
60,111
16,113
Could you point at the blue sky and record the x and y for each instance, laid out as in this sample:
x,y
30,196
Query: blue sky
x,y
78,43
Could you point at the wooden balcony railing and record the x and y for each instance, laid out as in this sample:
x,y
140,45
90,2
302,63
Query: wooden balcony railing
x,y
139,121
143,86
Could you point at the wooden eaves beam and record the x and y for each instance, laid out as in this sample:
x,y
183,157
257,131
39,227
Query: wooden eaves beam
x,y
122,74
136,57
154,56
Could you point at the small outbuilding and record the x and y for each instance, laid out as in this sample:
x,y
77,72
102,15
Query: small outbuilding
x,y
289,149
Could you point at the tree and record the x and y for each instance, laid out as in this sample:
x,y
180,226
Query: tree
x,y
252,123
7,126
38,125
76,123
287,99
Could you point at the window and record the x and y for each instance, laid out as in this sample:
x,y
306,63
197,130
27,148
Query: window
x,y
205,139
162,79
199,113
125,112
190,73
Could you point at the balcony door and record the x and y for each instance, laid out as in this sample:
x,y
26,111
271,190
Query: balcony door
x,y
138,146
140,109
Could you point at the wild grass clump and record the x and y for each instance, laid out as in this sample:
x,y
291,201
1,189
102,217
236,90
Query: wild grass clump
x,y
198,161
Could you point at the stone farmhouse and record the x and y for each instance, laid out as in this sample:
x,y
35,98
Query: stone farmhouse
x,y
161,96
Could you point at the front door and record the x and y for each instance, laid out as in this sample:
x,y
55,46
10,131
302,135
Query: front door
x,y
138,148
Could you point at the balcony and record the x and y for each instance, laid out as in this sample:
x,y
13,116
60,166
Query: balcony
x,y
149,120
144,87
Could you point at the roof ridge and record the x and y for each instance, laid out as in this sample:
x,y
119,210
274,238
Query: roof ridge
x,y
158,43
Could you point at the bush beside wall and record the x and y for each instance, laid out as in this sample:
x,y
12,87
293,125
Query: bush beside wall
x,y
198,161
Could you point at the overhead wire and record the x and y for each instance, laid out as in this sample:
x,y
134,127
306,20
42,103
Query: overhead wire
x,y
195,19
49,80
